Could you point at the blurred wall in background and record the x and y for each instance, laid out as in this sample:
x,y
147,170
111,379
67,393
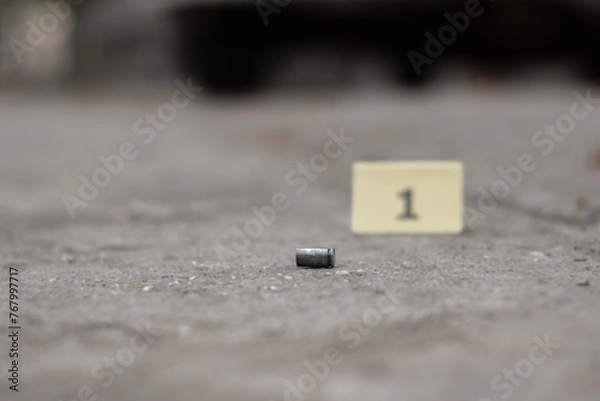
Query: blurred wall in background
x,y
52,44
28,56
235,44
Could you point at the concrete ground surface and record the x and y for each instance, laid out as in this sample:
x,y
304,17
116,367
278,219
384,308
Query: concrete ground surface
x,y
138,296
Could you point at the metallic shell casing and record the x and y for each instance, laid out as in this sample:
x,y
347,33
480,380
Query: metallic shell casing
x,y
315,257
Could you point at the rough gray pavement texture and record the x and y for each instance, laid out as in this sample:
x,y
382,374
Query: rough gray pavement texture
x,y
470,309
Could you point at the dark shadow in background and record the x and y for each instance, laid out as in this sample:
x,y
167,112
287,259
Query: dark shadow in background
x,y
230,49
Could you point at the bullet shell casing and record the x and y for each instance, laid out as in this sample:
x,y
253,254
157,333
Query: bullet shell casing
x,y
315,257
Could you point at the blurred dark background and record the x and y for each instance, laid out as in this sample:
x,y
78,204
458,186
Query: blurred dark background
x,y
234,46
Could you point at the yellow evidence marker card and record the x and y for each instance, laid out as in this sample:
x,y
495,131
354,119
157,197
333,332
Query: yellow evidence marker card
x,y
407,197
